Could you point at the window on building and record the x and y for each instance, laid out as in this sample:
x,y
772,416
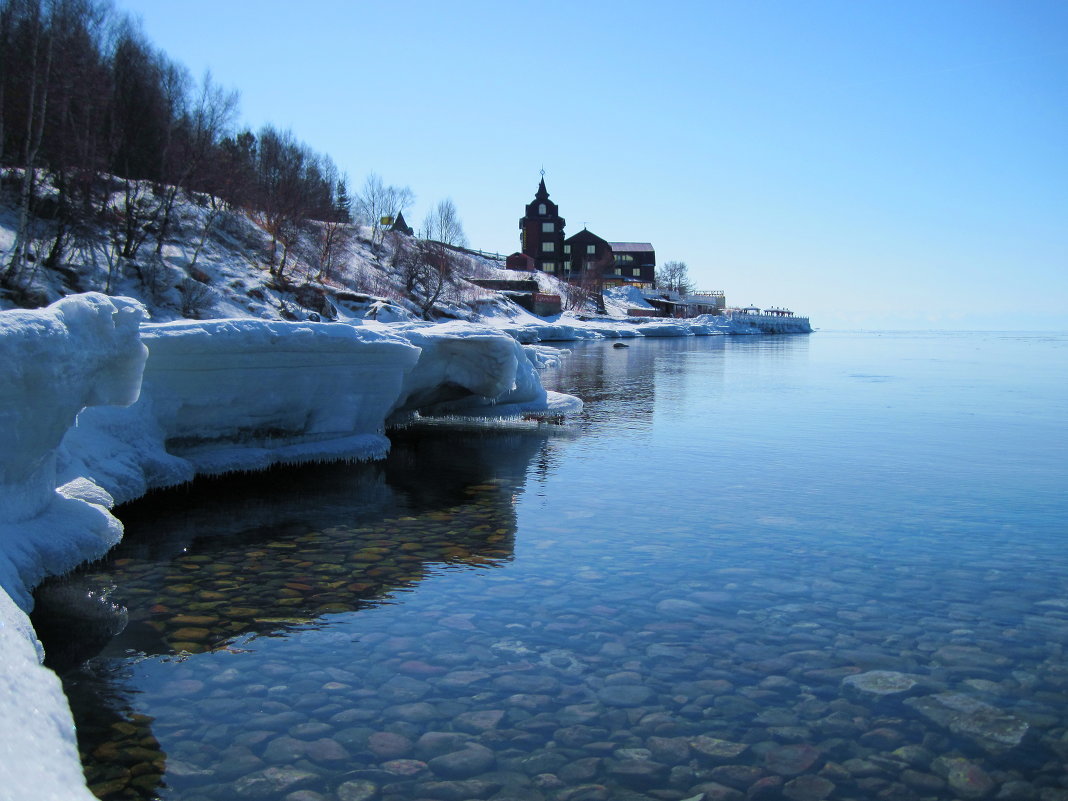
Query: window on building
x,y
567,250
591,249
624,257
637,272
548,247
547,228
549,266
541,208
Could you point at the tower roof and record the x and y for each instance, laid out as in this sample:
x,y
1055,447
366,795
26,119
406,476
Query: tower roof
x,y
542,193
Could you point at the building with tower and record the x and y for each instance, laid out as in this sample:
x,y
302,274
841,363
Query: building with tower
x,y
541,232
581,257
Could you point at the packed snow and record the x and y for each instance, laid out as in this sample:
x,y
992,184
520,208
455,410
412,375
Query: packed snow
x,y
79,352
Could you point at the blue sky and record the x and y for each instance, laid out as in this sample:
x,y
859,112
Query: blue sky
x,y
874,164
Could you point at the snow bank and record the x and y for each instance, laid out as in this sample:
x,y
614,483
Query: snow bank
x,y
216,396
80,351
224,395
568,328
472,370
38,750
620,299
244,394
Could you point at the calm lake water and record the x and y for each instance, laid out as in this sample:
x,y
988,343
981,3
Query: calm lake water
x,y
767,567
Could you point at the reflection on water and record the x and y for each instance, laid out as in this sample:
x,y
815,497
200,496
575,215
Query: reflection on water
x,y
751,570
266,555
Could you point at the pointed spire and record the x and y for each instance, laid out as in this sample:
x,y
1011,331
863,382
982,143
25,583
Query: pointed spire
x,y
542,193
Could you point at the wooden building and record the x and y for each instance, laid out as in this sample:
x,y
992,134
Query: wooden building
x,y
542,232
587,255
584,258
400,225
520,261
633,263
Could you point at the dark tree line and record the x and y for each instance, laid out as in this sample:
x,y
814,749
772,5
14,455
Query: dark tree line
x,y
99,130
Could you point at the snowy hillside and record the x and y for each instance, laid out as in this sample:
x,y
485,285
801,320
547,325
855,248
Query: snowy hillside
x,y
216,262
220,263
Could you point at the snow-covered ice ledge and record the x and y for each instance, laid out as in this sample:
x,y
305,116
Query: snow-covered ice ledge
x,y
570,328
78,352
89,417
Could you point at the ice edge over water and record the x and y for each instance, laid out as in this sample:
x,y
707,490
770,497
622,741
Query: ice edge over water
x,y
90,416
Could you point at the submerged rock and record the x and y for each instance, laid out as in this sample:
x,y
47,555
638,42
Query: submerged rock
x,y
715,751
790,760
879,685
273,781
469,761
965,778
357,790
808,788
989,727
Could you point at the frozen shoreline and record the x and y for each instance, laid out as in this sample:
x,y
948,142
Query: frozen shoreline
x,y
102,407
90,417
568,328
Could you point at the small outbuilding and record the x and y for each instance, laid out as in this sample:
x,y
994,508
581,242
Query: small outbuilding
x,y
520,261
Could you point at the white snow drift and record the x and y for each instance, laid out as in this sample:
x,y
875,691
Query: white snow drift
x,y
87,420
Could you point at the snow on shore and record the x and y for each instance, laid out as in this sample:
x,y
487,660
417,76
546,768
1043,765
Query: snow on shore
x,y
89,416
216,396
570,328
81,351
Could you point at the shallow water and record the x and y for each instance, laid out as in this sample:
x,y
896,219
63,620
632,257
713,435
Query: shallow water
x,y
687,591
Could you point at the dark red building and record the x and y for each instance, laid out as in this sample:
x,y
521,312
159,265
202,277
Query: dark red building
x,y
583,256
586,254
542,232
633,263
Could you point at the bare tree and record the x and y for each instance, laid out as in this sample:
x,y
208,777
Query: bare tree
x,y
376,200
575,297
40,69
202,124
281,164
431,263
369,203
334,234
591,280
674,276
442,225
397,200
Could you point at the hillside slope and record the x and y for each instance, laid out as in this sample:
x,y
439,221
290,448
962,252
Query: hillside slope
x,y
217,263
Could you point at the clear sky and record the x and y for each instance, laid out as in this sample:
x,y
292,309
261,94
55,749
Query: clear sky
x,y
892,163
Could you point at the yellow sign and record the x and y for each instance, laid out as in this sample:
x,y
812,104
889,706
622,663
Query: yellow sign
x,y
387,221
